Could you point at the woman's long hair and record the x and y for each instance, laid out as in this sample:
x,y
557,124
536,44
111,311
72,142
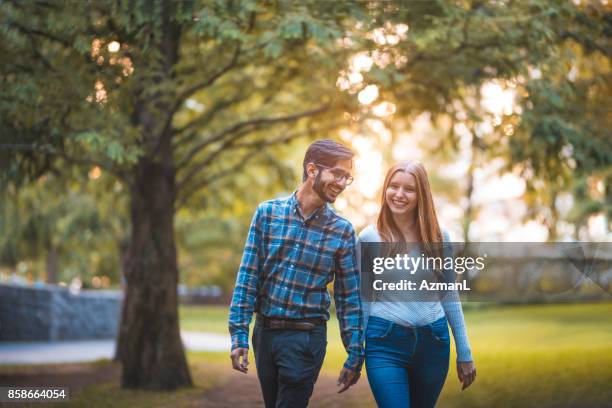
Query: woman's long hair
x,y
428,229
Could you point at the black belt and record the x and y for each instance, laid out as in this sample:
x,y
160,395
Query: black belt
x,y
306,324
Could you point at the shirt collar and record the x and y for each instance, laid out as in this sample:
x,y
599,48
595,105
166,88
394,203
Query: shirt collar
x,y
295,208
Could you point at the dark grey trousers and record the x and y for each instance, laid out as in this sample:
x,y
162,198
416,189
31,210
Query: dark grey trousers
x,y
288,364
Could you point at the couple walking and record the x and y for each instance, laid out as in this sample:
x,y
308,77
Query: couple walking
x,y
296,246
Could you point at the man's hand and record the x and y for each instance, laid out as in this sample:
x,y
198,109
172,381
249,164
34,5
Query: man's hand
x,y
347,378
240,359
466,373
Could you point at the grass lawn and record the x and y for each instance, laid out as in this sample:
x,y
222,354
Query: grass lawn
x,y
211,319
527,356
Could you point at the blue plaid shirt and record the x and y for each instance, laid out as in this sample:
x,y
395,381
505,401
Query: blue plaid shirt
x,y
286,266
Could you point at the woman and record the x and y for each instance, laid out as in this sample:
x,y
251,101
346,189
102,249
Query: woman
x,y
408,343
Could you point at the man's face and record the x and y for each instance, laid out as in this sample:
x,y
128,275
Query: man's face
x,y
330,182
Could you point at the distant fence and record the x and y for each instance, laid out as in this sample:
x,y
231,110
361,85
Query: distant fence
x,y
48,313
45,312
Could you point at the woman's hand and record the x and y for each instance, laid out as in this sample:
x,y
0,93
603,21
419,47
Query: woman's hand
x,y
466,371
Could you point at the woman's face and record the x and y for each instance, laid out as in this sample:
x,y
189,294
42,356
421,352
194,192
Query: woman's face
x,y
401,196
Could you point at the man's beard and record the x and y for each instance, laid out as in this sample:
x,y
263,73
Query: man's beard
x,y
318,187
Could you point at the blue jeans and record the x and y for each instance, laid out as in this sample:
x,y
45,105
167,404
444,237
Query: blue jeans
x,y
406,366
288,364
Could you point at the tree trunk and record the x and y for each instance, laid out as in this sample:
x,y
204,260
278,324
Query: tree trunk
x,y
554,217
608,201
52,264
468,214
151,349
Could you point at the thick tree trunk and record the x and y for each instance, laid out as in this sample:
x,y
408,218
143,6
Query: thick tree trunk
x,y
151,350
150,347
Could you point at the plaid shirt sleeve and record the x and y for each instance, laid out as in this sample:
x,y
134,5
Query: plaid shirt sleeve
x,y
348,302
245,291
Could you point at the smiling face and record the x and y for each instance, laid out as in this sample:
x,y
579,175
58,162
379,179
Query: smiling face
x,y
328,183
401,196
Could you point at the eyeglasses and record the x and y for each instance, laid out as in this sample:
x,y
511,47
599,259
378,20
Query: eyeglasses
x,y
338,174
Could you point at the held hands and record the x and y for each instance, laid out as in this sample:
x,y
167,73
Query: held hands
x,y
240,359
466,371
347,378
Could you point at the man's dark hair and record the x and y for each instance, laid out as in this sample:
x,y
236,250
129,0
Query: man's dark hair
x,y
326,152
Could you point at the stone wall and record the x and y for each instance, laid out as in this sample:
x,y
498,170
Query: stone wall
x,y
54,313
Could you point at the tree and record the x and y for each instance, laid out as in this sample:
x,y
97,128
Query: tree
x,y
64,227
168,97
436,56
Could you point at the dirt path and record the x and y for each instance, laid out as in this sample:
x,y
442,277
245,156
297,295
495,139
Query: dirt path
x,y
77,376
239,390
232,389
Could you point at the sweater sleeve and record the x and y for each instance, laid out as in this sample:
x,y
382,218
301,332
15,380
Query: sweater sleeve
x,y
454,314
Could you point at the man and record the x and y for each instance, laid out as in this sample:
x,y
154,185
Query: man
x,y
295,247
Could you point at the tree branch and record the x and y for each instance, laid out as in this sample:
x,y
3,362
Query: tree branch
x,y
278,81
256,148
238,166
37,54
203,84
39,33
585,42
208,82
204,118
244,128
80,161
191,90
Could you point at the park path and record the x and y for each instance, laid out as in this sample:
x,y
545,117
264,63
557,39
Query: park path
x,y
57,352
230,390
233,390
239,390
